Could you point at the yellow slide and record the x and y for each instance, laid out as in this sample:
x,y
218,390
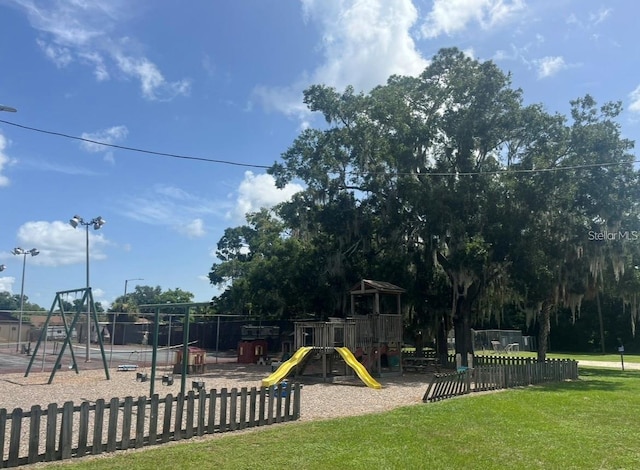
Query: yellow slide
x,y
351,360
286,367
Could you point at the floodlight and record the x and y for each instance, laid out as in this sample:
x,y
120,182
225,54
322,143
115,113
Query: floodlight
x,y
75,221
98,222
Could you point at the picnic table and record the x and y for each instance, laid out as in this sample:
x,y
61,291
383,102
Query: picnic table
x,y
512,347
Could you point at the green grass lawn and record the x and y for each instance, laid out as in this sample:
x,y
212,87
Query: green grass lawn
x,y
592,423
578,357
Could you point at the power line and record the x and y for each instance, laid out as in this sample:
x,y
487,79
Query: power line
x,y
510,171
249,165
133,149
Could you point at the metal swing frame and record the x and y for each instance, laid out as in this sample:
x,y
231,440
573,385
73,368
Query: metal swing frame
x,y
87,297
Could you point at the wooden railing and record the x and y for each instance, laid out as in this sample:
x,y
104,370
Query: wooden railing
x,y
494,377
69,431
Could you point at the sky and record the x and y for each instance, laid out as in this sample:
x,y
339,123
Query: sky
x,y
221,82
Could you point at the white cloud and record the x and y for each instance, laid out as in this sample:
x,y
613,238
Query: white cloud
x,y
87,31
96,60
153,84
549,66
6,284
61,56
601,15
591,20
59,243
634,96
111,135
4,160
452,16
363,43
194,229
259,191
172,207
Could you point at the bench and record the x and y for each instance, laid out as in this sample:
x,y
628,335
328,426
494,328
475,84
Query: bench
x,y
127,367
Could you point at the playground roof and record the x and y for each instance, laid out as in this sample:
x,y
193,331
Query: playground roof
x,y
366,286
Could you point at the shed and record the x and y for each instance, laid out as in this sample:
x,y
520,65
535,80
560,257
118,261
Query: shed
x,y
196,360
250,352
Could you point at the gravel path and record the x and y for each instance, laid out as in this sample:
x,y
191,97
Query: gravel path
x,y
319,401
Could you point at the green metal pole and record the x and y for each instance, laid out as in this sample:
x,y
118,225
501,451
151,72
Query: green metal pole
x,y
154,353
94,313
185,353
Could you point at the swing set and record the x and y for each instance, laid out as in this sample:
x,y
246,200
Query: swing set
x,y
85,307
157,308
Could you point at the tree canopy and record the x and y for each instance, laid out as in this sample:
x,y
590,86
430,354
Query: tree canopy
x,y
12,302
148,295
448,185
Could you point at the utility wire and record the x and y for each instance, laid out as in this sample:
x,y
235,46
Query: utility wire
x,y
510,171
134,149
249,165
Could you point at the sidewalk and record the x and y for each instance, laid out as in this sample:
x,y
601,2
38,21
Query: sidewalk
x,y
610,365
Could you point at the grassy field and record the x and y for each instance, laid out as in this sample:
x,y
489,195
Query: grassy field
x,y
631,358
591,423
578,357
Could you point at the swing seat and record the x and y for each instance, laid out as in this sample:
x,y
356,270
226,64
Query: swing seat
x,y
197,385
167,380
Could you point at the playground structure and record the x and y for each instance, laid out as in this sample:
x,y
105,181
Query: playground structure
x,y
367,344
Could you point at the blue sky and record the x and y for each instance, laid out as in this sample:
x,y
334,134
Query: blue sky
x,y
223,80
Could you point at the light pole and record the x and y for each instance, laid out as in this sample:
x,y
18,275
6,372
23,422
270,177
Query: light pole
x,y
97,223
113,327
24,253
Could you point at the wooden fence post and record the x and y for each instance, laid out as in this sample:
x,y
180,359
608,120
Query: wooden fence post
x,y
83,431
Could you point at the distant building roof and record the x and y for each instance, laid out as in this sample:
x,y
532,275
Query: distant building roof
x,y
7,317
38,320
367,286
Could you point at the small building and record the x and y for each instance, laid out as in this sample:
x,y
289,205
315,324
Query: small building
x,y
251,351
55,328
9,328
196,360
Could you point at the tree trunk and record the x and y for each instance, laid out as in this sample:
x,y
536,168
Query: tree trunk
x,y
601,321
544,326
442,344
462,329
419,343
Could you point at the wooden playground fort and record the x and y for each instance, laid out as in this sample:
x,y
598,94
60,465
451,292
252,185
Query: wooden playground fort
x,y
372,333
